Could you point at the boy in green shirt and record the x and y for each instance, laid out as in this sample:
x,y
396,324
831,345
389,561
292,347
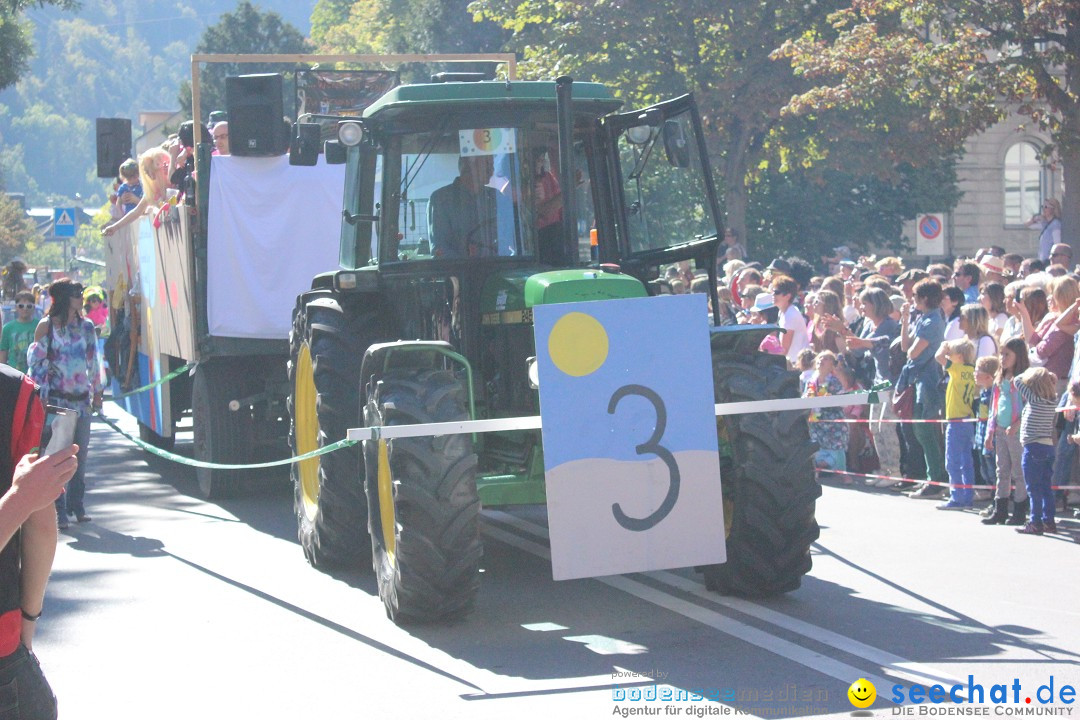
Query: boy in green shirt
x,y
19,333
958,357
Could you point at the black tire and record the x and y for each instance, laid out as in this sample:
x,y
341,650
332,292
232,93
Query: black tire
x,y
433,571
769,485
331,511
221,435
148,436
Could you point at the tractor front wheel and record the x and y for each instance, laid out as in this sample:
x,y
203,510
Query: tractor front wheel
x,y
768,480
423,505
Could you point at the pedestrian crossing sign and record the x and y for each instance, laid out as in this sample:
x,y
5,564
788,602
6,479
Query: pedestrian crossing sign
x,y
64,222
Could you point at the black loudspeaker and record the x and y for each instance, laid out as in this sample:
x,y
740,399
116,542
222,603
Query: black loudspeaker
x,y
113,145
256,112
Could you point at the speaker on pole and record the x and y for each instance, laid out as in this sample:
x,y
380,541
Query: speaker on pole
x,y
113,145
256,112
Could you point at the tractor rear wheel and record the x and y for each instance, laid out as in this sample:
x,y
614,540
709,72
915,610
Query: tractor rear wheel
x,y
423,505
221,435
326,348
769,485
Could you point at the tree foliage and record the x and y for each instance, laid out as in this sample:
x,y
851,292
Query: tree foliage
x,y
404,26
809,212
16,230
778,171
724,52
949,68
16,43
245,30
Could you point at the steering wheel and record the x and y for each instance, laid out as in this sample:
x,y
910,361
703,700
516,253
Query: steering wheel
x,y
473,247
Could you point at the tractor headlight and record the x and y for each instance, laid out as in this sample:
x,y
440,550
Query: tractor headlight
x,y
639,134
534,373
350,133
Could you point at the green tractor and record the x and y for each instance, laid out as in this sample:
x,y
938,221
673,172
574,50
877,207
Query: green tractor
x,y
467,204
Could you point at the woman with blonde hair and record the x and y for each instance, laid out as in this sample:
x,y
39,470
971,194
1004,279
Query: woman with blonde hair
x,y
1049,224
826,310
992,297
889,267
1051,342
154,173
975,323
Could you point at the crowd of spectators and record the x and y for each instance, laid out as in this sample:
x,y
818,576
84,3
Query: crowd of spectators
x,y
979,359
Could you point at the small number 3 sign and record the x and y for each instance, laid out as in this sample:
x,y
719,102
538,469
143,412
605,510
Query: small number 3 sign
x,y
629,428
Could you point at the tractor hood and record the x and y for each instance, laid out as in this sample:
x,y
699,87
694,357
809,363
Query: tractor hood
x,y
507,297
560,286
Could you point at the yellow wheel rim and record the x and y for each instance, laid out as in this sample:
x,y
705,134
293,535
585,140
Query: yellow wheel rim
x,y
306,429
386,502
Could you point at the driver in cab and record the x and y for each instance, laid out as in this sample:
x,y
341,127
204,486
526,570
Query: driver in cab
x,y
462,215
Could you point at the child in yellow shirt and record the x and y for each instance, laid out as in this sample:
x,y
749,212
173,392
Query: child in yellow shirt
x,y
958,358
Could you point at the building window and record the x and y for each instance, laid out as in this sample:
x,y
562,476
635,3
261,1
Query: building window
x,y
1025,183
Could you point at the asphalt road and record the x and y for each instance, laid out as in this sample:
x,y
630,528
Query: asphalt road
x,y
167,606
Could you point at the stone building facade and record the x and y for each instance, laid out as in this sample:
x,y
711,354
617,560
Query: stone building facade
x,y
1004,181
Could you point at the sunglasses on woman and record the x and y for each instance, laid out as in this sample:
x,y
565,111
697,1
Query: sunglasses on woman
x,y
23,306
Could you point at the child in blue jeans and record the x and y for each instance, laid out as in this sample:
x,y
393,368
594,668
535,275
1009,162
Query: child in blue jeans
x,y
1038,387
958,358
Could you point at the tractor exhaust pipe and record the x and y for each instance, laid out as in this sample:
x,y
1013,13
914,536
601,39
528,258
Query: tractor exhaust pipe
x,y
565,116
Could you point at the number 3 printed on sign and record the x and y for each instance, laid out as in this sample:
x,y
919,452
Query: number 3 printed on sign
x,y
650,446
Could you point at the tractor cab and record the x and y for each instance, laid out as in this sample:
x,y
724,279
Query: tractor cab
x,y
467,203
469,175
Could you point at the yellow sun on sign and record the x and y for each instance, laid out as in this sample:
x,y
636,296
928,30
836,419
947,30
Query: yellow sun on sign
x,y
578,344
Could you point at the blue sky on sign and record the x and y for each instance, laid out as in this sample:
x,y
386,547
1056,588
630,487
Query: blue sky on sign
x,y
659,342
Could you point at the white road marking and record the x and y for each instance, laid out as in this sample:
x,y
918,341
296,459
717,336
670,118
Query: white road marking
x,y
890,663
752,635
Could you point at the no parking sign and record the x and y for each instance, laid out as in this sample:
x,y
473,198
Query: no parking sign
x,y
930,234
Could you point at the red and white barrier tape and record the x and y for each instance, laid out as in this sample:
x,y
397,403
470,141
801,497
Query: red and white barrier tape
x,y
823,471
892,420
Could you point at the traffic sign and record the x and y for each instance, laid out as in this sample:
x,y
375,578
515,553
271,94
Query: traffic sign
x,y
64,222
930,234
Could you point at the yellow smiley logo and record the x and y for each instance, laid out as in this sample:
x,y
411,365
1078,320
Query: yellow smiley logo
x,y
862,693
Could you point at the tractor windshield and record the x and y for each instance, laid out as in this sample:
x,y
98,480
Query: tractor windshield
x,y
664,184
481,193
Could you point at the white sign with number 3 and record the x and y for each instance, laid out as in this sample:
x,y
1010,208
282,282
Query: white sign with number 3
x,y
629,428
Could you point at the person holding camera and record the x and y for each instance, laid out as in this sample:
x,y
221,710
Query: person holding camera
x,y
29,484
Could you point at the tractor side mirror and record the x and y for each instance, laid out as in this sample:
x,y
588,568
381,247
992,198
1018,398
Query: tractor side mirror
x,y
675,144
335,152
304,148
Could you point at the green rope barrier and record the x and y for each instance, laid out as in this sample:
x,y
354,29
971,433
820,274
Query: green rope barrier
x,y
174,374
884,385
221,466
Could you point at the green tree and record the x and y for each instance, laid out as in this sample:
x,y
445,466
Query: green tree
x,y
57,139
718,49
16,42
949,68
16,230
809,211
405,26
245,30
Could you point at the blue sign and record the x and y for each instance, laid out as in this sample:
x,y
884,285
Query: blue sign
x,y
64,222
629,428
